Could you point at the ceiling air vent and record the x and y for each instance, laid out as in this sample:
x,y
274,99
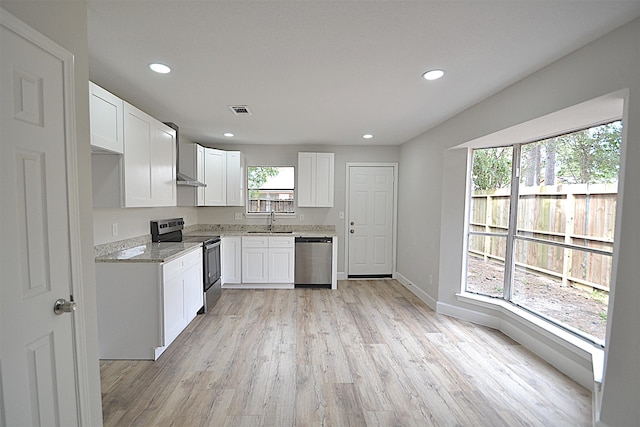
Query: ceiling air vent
x,y
240,110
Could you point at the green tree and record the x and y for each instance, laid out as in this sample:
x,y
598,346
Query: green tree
x,y
492,168
590,156
257,176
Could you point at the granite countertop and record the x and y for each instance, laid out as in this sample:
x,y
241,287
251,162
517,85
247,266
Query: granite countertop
x,y
141,249
278,234
150,252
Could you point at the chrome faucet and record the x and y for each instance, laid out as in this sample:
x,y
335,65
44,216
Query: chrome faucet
x,y
272,219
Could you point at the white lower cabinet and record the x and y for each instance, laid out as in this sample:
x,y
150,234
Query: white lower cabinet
x,y
143,306
183,294
231,260
268,260
255,262
281,256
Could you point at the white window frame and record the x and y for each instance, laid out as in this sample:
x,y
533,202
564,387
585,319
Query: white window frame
x,y
512,236
266,214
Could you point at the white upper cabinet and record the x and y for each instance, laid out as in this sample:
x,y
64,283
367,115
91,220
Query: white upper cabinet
x,y
163,165
315,179
145,174
215,176
222,171
106,120
236,166
149,168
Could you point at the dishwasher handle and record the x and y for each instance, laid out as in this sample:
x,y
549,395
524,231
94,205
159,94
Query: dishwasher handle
x,y
314,239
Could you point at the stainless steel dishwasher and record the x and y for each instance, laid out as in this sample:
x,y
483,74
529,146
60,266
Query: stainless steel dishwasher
x,y
313,261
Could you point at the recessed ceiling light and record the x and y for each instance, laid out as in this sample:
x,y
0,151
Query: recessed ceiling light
x,y
228,134
433,74
367,136
160,68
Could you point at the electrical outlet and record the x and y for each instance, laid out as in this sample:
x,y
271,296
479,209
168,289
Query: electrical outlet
x,y
430,279
301,217
114,229
238,216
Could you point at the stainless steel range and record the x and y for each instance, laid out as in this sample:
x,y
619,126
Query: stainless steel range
x,y
170,230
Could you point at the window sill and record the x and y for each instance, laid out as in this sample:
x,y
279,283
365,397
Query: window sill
x,y
550,331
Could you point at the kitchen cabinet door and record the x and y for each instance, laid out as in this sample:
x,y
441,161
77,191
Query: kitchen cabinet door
x,y
136,159
306,190
173,309
106,118
231,258
324,179
149,167
268,259
215,176
183,293
163,165
281,265
200,167
193,292
315,179
255,265
235,178
281,259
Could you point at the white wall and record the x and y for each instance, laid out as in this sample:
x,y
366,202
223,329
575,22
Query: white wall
x,y
134,222
65,22
287,155
431,217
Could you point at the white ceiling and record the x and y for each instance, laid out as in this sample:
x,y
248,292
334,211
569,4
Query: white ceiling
x,y
324,72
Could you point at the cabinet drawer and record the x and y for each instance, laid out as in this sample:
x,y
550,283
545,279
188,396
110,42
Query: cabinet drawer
x,y
255,241
280,242
181,264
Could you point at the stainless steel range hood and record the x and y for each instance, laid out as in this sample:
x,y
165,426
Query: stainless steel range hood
x,y
181,178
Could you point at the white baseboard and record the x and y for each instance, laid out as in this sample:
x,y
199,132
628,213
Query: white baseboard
x,y
472,316
417,291
569,355
342,275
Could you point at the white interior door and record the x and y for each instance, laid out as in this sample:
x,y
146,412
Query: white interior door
x,y
370,222
37,368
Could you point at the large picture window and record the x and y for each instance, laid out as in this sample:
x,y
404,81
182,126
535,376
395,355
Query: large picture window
x,y
270,189
541,226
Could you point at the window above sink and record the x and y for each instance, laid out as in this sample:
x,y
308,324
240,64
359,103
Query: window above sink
x,y
271,189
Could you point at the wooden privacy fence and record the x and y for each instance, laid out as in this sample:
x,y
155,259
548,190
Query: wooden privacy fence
x,y
579,214
268,205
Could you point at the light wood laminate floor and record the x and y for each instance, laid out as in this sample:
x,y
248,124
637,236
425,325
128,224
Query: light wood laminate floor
x,y
369,353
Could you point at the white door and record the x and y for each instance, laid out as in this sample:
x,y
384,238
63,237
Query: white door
x,y
370,222
37,368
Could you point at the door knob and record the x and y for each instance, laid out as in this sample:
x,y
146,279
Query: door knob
x,y
353,223
63,306
351,231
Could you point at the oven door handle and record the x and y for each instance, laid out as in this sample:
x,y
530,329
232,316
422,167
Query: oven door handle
x,y
212,245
